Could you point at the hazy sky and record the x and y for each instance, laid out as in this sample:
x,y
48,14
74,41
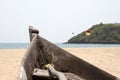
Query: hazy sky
x,y
55,19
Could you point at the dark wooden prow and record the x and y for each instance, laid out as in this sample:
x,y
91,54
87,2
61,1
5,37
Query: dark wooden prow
x,y
32,31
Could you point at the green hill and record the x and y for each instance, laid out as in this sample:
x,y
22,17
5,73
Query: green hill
x,y
100,33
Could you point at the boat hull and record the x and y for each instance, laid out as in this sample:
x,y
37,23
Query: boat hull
x,y
42,52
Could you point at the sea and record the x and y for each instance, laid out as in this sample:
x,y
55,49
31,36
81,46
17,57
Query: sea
x,y
25,45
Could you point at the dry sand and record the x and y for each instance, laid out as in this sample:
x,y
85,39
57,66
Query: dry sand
x,y
104,58
9,63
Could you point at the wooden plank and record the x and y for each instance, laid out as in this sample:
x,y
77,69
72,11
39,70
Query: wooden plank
x,y
40,73
55,73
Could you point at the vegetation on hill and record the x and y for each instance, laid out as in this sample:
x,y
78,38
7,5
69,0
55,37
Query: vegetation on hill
x,y
100,33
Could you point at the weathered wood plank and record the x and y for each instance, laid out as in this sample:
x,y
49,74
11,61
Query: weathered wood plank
x,y
41,72
58,74
45,74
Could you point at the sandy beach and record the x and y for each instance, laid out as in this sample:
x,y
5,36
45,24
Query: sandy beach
x,y
104,58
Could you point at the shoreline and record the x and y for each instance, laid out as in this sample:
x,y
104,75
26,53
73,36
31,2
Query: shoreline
x,y
105,58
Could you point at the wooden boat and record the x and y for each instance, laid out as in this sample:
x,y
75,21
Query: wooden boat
x,y
42,52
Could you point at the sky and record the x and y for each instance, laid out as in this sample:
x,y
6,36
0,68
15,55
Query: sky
x,y
56,20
